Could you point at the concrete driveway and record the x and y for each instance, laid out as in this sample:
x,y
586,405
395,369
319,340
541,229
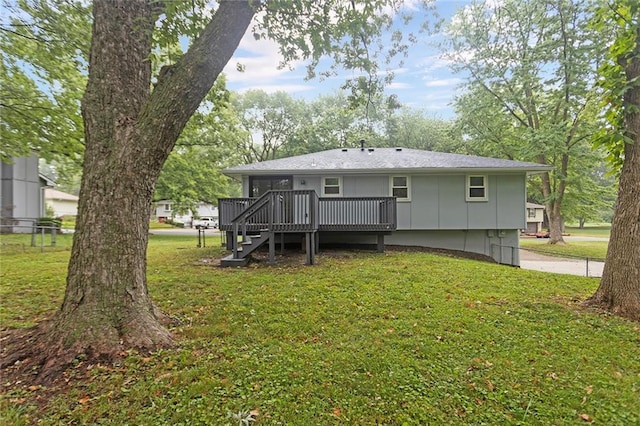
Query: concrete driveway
x,y
539,262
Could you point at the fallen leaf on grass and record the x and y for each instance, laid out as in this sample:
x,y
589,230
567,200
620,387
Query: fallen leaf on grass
x,y
585,417
589,389
336,412
84,400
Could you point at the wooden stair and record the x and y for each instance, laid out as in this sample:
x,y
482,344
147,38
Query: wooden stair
x,y
246,248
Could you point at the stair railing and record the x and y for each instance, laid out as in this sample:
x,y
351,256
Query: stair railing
x,y
269,209
244,216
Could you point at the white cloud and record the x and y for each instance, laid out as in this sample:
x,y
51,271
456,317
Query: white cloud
x,y
396,85
273,88
432,63
259,59
443,82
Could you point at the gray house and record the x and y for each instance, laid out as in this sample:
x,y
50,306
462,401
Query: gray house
x,y
21,194
399,196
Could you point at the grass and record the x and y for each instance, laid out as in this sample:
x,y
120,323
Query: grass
x,y
581,249
596,230
154,224
360,338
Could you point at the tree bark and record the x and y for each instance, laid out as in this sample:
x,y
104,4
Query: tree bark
x,y
552,207
129,132
619,290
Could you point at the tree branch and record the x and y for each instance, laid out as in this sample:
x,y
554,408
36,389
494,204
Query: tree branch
x,y
180,92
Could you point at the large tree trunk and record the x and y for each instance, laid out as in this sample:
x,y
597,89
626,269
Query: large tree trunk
x,y
619,290
553,206
129,133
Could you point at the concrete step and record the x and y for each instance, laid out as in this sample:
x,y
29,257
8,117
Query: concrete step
x,y
230,261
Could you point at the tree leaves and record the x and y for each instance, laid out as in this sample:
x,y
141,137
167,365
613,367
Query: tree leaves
x,y
44,49
621,17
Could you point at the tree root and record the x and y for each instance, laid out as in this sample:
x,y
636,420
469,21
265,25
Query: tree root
x,y
606,305
39,356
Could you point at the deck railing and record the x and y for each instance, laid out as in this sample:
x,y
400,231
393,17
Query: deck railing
x,y
358,214
300,211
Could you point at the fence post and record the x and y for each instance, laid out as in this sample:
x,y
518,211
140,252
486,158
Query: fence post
x,y
587,274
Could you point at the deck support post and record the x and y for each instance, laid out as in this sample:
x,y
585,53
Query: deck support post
x,y
310,247
272,247
229,241
380,247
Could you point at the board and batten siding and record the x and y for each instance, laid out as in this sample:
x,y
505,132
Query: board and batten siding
x,y
438,201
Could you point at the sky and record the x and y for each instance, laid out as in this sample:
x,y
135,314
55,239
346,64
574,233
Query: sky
x,y
423,82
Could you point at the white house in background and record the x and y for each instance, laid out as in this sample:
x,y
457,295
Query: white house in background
x,y
535,218
63,204
21,194
164,210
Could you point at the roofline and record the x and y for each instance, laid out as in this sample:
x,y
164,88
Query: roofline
x,y
431,170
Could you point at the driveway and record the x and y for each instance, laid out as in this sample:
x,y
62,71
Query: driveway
x,y
560,265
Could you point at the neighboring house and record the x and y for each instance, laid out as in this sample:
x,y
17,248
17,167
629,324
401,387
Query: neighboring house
x,y
402,196
164,210
21,194
535,218
61,203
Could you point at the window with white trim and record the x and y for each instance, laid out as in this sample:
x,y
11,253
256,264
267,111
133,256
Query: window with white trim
x,y
532,213
477,188
331,186
401,187
167,207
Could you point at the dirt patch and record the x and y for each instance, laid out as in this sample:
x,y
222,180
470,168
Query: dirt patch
x,y
296,257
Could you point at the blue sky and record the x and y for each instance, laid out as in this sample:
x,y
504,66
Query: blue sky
x,y
424,81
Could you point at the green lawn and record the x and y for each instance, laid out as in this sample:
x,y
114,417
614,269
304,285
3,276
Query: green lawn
x,y
592,249
360,338
597,230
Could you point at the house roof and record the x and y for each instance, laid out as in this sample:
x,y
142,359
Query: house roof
x,y
45,180
535,206
54,194
375,160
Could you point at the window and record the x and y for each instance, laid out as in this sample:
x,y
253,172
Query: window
x,y
531,213
331,187
400,187
477,188
167,207
260,185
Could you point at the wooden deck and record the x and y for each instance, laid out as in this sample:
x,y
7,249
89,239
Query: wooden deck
x,y
250,222
303,211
